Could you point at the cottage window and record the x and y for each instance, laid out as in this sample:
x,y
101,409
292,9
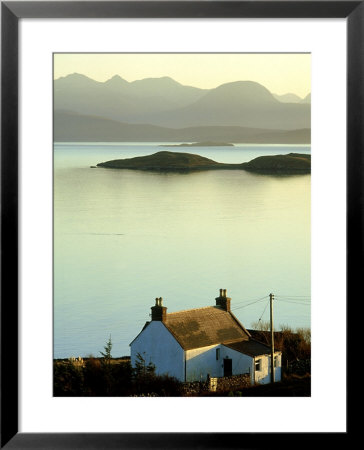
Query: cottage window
x,y
258,365
276,360
217,354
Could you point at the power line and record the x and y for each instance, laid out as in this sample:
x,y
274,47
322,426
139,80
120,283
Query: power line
x,y
260,318
294,302
295,299
244,306
250,300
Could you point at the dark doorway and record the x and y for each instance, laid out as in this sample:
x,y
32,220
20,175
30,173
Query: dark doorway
x,y
228,367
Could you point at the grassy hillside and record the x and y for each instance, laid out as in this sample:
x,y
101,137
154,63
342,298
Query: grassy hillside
x,y
293,162
163,161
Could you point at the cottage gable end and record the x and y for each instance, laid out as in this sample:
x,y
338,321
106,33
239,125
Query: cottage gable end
x,y
157,346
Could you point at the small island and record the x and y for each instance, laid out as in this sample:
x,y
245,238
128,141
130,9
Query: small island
x,y
164,161
200,144
291,163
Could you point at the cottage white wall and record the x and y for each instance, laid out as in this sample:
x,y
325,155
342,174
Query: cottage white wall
x,y
263,376
157,345
241,363
278,369
200,362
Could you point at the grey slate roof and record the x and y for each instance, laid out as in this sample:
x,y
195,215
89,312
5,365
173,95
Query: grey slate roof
x,y
250,347
201,327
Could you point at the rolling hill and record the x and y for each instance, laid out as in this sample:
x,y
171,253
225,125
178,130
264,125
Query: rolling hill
x,y
74,127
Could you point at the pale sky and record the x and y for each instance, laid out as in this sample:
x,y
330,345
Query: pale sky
x,y
278,72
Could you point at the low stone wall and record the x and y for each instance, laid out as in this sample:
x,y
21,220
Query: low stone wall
x,y
195,387
221,384
234,382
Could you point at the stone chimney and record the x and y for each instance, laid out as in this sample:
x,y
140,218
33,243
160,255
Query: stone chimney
x,y
159,312
223,301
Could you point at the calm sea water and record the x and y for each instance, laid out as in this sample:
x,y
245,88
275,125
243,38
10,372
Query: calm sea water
x,y
123,238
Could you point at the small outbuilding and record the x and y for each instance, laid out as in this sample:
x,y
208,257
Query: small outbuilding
x,y
194,344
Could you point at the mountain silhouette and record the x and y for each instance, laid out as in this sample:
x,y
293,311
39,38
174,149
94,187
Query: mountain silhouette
x,y
307,99
288,98
242,103
166,103
117,99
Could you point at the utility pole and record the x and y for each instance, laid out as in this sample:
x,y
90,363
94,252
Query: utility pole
x,y
271,298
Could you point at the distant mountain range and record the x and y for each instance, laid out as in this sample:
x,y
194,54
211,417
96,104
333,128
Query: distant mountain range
x,y
163,109
292,98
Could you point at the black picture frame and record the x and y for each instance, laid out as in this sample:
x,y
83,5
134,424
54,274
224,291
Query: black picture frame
x,y
11,13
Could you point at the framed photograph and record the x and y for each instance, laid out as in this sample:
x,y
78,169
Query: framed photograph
x,y
181,221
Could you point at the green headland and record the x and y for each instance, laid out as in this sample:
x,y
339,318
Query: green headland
x,y
164,161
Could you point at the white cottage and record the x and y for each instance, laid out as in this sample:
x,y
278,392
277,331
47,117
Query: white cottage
x,y
192,344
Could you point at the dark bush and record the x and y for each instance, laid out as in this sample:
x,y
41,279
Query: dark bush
x,y
95,378
159,385
121,380
68,379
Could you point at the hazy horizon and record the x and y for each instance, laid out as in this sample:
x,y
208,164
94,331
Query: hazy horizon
x,y
280,73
